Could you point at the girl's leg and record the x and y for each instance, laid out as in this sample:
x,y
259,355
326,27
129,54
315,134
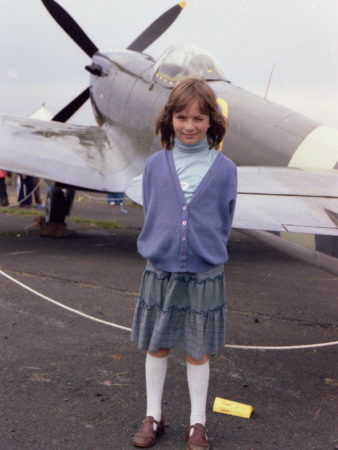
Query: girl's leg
x,y
198,381
153,426
156,370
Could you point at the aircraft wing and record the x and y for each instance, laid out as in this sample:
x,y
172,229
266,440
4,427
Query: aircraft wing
x,y
280,199
269,198
287,199
84,156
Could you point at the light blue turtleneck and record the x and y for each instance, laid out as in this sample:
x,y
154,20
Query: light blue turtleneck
x,y
192,162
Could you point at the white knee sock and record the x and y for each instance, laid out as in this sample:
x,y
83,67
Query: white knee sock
x,y
198,382
156,370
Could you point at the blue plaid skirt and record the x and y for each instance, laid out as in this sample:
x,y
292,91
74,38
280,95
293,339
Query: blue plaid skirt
x,y
181,310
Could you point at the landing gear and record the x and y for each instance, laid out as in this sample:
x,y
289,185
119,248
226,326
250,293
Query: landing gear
x,y
58,204
55,206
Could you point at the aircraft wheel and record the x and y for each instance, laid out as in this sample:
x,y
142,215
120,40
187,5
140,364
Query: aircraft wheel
x,y
56,207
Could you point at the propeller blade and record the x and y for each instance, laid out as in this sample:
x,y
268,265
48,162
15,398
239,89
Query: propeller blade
x,y
70,27
156,28
72,107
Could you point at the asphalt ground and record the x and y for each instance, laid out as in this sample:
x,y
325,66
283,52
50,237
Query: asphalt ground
x,y
68,382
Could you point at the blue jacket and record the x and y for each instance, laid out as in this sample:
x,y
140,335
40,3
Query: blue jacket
x,y
181,237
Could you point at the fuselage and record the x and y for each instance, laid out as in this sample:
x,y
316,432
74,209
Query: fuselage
x,y
128,89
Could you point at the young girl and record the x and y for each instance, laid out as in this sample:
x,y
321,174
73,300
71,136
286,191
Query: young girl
x,y
189,194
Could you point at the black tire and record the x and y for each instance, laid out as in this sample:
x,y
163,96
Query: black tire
x,y
56,207
69,198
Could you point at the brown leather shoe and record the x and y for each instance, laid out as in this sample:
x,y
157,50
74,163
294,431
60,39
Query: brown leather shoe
x,y
146,436
199,438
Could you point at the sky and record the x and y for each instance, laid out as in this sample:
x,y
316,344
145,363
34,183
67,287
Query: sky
x,y
41,64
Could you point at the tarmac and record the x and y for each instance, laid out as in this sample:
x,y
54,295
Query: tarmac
x,y
71,382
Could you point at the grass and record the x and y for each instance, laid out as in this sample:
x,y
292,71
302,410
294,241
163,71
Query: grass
x,y
102,224
105,224
22,212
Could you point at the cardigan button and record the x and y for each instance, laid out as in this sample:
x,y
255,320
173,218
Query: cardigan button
x,y
184,222
185,207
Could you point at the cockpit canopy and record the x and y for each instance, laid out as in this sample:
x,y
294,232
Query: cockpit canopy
x,y
182,60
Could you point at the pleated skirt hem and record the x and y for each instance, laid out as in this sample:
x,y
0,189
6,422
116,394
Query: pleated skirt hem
x,y
184,311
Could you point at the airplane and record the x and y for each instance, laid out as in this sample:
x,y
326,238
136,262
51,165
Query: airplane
x,y
288,182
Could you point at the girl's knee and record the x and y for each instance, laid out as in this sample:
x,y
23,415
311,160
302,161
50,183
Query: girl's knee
x,y
162,353
197,362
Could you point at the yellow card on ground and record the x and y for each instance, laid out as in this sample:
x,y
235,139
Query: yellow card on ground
x,y
224,406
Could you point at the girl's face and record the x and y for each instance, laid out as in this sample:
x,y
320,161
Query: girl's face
x,y
190,124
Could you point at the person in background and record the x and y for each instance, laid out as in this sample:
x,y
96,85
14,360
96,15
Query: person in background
x,y
115,198
37,194
3,188
26,185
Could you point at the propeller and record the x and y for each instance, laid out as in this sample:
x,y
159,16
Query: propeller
x,y
72,107
68,24
156,28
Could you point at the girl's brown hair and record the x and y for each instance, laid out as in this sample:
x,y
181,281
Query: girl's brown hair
x,y
185,93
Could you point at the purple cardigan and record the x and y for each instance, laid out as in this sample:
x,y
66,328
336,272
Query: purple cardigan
x,y
180,237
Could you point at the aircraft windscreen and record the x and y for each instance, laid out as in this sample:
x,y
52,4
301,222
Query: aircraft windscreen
x,y
181,61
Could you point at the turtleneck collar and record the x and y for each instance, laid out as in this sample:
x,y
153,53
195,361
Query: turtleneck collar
x,y
186,148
